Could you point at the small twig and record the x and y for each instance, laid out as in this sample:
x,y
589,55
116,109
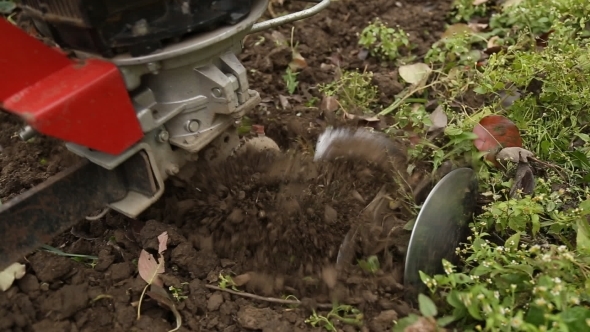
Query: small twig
x,y
267,299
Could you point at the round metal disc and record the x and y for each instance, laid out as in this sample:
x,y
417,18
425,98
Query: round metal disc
x,y
443,222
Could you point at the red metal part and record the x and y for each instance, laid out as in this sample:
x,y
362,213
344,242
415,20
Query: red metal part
x,y
80,102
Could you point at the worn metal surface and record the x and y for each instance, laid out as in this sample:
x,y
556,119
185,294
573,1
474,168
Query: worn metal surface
x,y
35,217
441,225
77,102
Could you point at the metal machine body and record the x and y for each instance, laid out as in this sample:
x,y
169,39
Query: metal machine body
x,y
138,97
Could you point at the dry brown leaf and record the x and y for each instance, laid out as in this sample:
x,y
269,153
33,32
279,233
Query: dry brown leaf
x,y
297,62
329,104
284,101
159,295
514,154
524,181
149,267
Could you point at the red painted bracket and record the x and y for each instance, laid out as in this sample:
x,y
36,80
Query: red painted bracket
x,y
85,103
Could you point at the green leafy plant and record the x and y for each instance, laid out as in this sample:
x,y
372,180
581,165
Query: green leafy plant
x,y
227,281
384,42
465,10
370,265
177,293
343,313
290,78
354,91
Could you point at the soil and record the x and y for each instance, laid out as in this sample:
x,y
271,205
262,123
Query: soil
x,y
275,223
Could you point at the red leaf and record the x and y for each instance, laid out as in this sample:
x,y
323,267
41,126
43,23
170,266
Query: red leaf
x,y
495,132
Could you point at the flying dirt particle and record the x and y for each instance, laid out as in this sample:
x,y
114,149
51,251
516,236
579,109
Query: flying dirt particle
x,y
330,276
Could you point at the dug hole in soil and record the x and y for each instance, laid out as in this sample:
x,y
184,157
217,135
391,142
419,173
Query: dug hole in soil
x,y
274,223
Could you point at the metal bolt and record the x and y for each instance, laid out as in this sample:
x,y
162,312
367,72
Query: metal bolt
x,y
163,136
192,126
153,67
217,93
172,169
27,133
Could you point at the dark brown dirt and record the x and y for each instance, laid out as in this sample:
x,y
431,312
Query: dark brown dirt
x,y
24,165
274,223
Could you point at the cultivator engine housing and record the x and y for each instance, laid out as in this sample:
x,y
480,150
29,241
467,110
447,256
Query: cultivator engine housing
x,y
137,88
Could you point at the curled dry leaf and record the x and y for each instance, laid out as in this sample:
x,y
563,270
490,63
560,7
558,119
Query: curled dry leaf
x,y
415,73
514,154
10,274
297,62
284,101
159,295
524,181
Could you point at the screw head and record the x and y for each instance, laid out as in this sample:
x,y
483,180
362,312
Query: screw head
x,y
172,169
216,92
192,126
163,136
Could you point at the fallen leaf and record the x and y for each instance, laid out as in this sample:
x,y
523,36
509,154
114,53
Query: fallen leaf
x,y
162,242
148,266
284,102
524,181
495,132
160,295
329,104
514,154
479,2
438,118
297,62
10,274
415,73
